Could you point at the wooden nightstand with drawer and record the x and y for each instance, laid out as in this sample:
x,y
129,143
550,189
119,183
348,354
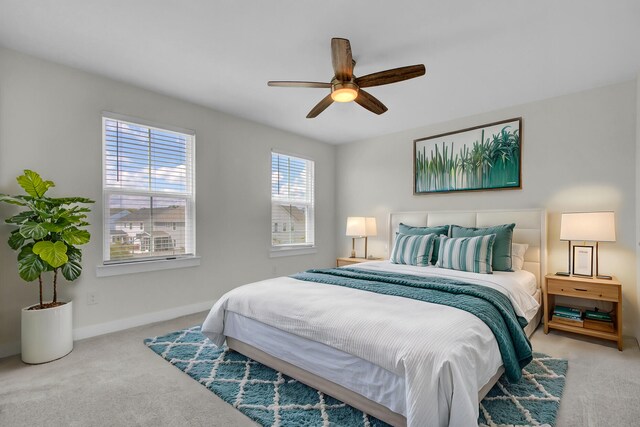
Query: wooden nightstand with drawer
x,y
341,262
584,288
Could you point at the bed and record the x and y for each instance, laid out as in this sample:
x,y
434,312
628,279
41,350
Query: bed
x,y
409,362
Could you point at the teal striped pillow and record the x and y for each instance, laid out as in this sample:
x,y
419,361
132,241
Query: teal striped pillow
x,y
472,254
437,230
412,250
501,248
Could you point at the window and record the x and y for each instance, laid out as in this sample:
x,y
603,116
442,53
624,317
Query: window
x,y
292,201
148,179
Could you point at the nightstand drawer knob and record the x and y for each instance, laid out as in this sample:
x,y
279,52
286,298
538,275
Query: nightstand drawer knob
x,y
580,289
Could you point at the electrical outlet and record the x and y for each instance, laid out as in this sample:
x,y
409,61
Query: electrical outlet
x,y
92,298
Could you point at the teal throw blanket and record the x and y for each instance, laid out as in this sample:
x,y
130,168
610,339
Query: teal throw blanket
x,y
489,305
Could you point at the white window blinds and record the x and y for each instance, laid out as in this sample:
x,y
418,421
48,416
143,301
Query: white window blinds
x,y
149,194
292,201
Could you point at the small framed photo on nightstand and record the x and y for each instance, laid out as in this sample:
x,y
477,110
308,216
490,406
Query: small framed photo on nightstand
x,y
583,261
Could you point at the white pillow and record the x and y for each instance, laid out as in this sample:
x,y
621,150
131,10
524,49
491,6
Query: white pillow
x,y
517,255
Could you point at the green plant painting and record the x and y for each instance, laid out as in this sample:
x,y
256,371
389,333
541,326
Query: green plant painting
x,y
481,158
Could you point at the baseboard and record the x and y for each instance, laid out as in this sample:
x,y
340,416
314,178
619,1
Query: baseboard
x,y
143,319
10,349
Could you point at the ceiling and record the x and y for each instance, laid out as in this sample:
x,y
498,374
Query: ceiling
x,y
480,56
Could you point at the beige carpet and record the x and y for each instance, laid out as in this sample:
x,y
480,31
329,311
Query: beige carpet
x,y
114,380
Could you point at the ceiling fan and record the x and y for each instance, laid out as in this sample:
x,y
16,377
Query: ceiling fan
x,y
346,87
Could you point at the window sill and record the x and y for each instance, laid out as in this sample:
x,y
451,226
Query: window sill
x,y
290,251
106,270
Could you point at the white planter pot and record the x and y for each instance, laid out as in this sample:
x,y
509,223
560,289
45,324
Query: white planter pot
x,y
47,334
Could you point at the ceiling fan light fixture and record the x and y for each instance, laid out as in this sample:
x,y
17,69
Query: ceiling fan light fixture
x,y
346,87
344,92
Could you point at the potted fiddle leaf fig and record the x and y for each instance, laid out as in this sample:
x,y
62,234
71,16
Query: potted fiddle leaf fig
x,y
49,231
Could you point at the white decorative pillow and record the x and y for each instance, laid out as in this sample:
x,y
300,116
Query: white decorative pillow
x,y
517,255
412,250
473,254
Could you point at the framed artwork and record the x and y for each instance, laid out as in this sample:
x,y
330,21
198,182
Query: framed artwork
x,y
487,157
583,261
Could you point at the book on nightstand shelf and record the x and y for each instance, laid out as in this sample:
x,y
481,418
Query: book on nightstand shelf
x,y
598,315
567,315
568,312
567,320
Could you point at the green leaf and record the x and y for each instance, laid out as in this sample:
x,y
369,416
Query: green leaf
x,y
71,216
30,266
25,250
75,236
74,253
20,218
33,184
72,269
17,200
52,227
33,230
70,200
16,240
55,254
44,214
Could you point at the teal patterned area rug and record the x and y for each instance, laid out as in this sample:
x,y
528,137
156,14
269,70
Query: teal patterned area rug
x,y
273,399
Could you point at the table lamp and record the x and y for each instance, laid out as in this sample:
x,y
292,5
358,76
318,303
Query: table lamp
x,y
588,226
359,227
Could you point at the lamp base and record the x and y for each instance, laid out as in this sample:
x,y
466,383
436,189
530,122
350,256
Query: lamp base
x,y
604,277
563,273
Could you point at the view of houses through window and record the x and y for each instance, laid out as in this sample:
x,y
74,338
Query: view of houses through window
x,y
149,192
141,226
292,201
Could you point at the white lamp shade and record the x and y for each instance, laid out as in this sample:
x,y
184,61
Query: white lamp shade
x,y
356,226
370,226
359,226
588,226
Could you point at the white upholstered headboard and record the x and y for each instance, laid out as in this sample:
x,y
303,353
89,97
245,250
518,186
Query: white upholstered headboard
x,y
531,228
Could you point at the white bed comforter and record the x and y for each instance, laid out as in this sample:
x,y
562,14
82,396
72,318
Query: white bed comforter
x,y
444,354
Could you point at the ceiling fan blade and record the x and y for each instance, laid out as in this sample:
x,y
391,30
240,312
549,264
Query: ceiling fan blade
x,y
320,107
391,76
341,59
298,84
370,102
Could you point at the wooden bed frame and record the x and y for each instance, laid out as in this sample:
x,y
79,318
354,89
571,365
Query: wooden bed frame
x,y
530,229
332,389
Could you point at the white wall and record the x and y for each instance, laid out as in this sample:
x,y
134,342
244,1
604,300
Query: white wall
x,y
50,121
578,155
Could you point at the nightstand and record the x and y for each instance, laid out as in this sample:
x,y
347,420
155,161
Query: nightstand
x,y
584,288
341,262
